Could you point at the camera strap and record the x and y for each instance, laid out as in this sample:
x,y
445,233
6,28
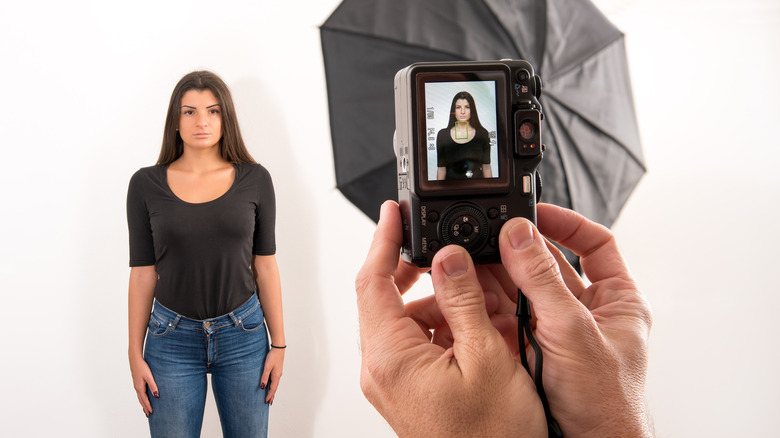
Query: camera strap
x,y
524,322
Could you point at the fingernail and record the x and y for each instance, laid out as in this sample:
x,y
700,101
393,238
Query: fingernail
x,y
455,264
521,235
262,386
384,208
156,394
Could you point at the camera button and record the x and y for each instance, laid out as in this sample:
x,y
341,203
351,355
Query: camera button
x,y
433,245
523,76
526,184
493,213
433,216
538,85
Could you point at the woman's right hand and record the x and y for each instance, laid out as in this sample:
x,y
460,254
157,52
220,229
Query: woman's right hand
x,y
143,280
142,377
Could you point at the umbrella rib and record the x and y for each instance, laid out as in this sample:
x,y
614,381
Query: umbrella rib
x,y
584,58
509,37
594,126
402,42
541,17
581,159
551,133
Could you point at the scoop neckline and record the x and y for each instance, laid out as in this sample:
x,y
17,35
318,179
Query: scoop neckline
x,y
175,196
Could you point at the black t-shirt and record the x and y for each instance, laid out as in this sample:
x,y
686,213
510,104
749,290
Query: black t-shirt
x,y
202,252
463,160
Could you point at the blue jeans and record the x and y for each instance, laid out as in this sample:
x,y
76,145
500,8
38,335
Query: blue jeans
x,y
180,351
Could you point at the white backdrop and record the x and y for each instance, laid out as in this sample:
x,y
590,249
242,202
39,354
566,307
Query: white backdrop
x,y
85,89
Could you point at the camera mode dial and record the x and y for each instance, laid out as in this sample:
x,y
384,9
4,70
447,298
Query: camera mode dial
x,y
466,226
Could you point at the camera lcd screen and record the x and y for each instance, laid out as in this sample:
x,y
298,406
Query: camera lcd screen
x,y
461,130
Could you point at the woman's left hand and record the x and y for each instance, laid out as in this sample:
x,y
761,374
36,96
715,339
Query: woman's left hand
x,y
274,363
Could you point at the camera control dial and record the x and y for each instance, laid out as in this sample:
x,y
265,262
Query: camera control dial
x,y
464,225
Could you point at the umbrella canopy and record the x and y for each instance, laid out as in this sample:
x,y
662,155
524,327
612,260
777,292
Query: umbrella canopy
x,y
593,158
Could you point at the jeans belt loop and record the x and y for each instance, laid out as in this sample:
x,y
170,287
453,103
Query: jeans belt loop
x,y
236,320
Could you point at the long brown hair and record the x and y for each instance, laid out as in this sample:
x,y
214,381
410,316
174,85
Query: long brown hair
x,y
474,120
231,146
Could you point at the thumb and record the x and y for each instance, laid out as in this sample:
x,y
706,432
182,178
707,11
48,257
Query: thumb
x,y
462,303
533,268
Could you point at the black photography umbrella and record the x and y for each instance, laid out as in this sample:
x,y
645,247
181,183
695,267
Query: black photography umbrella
x,y
593,158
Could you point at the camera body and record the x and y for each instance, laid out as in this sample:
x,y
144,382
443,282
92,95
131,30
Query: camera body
x,y
468,145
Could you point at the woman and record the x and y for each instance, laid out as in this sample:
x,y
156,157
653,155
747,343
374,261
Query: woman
x,y
463,147
202,244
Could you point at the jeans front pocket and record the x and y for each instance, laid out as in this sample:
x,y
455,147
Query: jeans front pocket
x,y
158,326
253,321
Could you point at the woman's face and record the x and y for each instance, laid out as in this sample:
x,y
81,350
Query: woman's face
x,y
462,110
200,119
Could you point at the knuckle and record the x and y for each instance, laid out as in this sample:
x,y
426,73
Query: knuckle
x,y
366,384
361,280
543,268
466,297
364,281
373,385
381,370
380,383
640,306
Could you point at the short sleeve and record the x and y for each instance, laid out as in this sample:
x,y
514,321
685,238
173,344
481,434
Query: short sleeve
x,y
265,215
138,224
441,150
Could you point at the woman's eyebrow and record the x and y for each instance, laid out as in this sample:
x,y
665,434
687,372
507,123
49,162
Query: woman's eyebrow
x,y
210,106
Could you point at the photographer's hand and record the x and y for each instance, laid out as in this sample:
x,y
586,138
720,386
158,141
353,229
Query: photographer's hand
x,y
474,388
593,338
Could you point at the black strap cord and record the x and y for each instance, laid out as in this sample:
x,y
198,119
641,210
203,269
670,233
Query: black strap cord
x,y
524,322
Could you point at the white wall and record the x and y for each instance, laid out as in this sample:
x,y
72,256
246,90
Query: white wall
x,y
701,232
85,89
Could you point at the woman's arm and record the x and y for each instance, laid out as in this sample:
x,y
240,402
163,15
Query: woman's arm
x,y
140,297
442,139
269,290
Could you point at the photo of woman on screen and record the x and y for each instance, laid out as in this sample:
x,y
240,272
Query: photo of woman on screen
x,y
463,147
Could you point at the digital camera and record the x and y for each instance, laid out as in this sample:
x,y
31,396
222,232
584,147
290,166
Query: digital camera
x,y
468,144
